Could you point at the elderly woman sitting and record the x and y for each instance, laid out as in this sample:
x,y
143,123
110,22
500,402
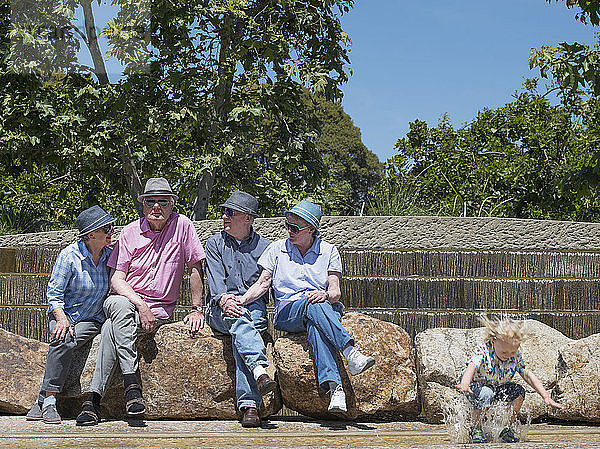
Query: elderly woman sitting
x,y
76,291
305,273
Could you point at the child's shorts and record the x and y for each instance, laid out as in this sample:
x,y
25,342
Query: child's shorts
x,y
485,393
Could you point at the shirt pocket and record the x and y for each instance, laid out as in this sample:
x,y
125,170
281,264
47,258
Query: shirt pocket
x,y
172,253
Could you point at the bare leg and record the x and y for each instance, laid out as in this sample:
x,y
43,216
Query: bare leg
x,y
516,407
477,416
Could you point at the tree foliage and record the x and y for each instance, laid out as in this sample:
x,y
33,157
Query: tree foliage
x,y
353,170
520,160
216,101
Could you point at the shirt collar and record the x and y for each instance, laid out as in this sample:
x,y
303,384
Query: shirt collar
x,y
245,241
84,252
315,247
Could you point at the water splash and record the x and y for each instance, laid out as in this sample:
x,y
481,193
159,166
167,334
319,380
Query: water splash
x,y
458,419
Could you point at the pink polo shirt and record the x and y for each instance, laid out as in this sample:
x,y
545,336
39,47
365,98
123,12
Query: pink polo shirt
x,y
154,261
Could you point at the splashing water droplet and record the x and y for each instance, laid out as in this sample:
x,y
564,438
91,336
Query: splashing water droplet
x,y
458,418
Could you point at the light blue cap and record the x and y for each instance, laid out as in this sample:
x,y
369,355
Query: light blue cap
x,y
309,212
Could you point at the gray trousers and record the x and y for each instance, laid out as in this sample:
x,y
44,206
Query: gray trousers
x,y
117,342
60,353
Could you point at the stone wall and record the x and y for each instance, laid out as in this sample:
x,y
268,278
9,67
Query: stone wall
x,y
417,272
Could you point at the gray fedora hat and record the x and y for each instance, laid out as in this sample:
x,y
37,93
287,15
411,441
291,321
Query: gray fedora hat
x,y
157,186
242,201
93,218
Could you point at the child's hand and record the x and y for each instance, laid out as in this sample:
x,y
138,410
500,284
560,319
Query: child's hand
x,y
551,402
464,388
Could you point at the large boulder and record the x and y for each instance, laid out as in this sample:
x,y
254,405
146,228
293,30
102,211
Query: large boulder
x,y
388,389
578,382
183,376
442,355
22,363
204,386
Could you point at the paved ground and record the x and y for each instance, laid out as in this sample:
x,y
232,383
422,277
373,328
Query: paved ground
x,y
280,433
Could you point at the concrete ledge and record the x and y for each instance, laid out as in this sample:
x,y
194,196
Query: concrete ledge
x,y
476,233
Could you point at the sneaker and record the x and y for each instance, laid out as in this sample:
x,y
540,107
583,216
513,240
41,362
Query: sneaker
x,y
508,435
50,414
337,403
358,362
477,435
35,414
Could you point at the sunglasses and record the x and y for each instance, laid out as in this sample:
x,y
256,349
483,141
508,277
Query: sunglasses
x,y
294,228
108,228
150,202
227,211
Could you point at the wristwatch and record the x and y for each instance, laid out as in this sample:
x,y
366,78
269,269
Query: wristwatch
x,y
197,308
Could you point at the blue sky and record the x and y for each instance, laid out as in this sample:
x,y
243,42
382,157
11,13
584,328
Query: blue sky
x,y
418,60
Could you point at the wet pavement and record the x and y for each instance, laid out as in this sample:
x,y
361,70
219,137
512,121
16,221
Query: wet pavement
x,y
277,433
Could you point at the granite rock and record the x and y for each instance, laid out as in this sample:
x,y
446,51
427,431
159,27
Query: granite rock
x,y
22,363
388,389
578,380
202,387
183,376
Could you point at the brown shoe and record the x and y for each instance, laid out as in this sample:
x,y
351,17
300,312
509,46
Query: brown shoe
x,y
251,418
265,384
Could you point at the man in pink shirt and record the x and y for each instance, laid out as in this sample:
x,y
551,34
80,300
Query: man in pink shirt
x,y
148,262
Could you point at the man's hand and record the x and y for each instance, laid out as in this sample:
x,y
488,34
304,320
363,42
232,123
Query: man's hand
x,y
317,296
195,321
231,306
147,318
60,330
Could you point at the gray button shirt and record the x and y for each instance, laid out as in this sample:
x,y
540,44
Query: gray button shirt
x,y
232,267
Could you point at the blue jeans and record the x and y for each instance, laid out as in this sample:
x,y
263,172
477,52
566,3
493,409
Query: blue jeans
x,y
485,393
248,347
326,335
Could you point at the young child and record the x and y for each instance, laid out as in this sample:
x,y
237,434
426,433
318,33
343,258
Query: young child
x,y
490,370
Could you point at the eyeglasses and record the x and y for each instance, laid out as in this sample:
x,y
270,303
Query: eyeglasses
x,y
108,228
227,211
294,228
162,202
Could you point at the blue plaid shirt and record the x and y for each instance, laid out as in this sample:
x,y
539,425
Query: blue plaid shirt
x,y
77,285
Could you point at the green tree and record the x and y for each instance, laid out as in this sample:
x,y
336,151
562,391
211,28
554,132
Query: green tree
x,y
514,161
193,110
353,170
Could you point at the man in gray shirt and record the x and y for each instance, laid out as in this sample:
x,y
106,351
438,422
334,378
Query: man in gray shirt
x,y
231,257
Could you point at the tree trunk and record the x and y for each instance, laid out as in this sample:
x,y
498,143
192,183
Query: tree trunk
x,y
203,192
92,43
130,171
133,181
222,100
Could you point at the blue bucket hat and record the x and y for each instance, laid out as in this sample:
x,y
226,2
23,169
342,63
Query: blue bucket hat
x,y
309,212
93,218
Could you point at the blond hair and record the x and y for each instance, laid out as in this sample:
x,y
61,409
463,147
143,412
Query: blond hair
x,y
504,329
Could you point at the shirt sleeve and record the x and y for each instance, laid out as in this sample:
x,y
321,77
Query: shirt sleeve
x,y
194,252
215,271
268,259
335,261
59,279
120,257
478,356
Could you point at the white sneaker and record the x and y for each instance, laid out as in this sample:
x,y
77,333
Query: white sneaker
x,y
358,362
337,403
